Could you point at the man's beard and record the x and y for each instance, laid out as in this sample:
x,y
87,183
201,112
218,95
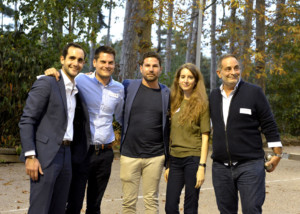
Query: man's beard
x,y
151,79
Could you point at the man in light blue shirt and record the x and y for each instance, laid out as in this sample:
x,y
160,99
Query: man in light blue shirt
x,y
104,99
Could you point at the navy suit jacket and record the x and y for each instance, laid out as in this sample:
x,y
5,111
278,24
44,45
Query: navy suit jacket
x,y
44,122
131,87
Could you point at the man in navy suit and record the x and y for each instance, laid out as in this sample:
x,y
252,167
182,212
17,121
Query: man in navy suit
x,y
47,129
145,135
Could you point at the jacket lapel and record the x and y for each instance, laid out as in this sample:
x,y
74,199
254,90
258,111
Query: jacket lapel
x,y
62,89
165,102
131,93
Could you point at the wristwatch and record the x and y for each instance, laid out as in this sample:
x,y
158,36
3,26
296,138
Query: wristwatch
x,y
202,164
31,157
278,155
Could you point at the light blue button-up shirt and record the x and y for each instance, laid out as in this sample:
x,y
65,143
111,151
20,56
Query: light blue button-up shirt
x,y
102,102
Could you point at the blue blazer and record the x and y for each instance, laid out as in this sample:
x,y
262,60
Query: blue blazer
x,y
44,122
131,87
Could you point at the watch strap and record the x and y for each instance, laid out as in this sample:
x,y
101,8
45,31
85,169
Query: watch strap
x,y
202,164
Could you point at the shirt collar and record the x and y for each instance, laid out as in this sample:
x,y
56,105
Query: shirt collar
x,y
234,90
235,87
68,83
94,77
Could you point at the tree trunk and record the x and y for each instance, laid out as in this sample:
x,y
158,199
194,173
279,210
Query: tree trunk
x,y
232,27
136,35
144,24
91,40
260,44
246,65
169,37
159,24
91,56
59,20
58,24
16,15
128,62
191,37
109,24
70,21
279,21
213,62
199,30
2,21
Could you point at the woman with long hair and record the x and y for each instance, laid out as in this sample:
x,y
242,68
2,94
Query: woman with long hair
x,y
190,127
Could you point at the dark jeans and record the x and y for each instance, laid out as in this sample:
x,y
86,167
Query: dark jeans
x,y
182,173
99,173
96,171
248,178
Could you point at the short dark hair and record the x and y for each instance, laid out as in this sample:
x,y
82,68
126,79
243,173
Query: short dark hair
x,y
225,56
150,54
104,49
71,44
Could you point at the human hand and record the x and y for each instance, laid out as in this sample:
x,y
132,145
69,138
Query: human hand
x,y
200,177
52,72
33,168
273,162
166,175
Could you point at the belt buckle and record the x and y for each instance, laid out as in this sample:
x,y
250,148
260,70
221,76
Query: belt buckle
x,y
97,148
66,143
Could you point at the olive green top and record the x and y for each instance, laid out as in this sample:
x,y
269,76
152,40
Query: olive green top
x,y
186,139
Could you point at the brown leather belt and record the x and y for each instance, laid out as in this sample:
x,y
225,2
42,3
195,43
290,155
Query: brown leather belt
x,y
66,143
99,147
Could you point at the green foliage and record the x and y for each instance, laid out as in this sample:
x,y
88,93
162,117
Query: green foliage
x,y
21,60
49,25
18,150
284,62
5,10
284,97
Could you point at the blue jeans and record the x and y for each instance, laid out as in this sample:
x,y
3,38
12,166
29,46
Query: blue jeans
x,y
248,178
182,172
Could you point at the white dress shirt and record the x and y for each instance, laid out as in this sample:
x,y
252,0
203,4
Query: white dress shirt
x,y
226,101
71,91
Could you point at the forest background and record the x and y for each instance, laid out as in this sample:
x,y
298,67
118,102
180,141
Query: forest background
x,y
264,34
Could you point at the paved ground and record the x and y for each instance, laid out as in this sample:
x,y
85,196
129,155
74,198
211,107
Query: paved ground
x,y
283,190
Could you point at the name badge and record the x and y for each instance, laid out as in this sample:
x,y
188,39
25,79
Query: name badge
x,y
113,94
245,111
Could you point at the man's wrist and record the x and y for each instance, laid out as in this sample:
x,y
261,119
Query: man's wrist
x,y
278,155
30,157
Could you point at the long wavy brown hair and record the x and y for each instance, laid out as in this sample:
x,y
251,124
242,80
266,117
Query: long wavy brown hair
x,y
198,102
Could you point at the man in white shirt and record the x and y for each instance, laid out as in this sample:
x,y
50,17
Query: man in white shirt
x,y
47,129
240,113
104,100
